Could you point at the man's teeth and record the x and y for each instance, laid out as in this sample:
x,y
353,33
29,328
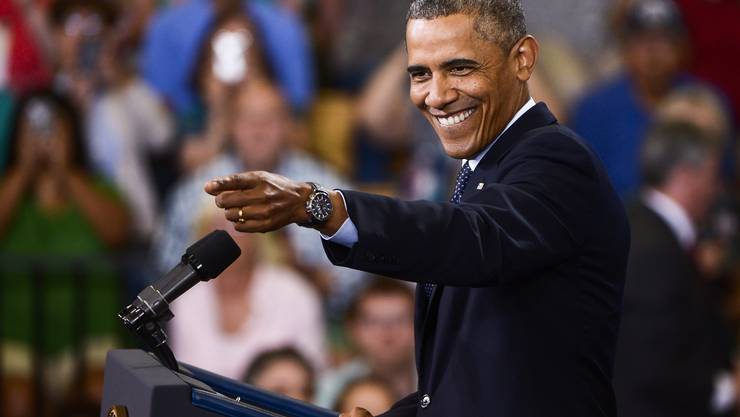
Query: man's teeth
x,y
453,120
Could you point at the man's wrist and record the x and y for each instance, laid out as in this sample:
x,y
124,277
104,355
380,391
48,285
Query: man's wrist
x,y
302,216
337,218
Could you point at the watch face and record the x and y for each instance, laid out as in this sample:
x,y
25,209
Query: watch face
x,y
321,207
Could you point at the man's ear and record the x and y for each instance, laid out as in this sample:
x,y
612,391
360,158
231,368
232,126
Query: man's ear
x,y
524,57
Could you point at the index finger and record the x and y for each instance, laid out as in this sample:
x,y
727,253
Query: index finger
x,y
234,182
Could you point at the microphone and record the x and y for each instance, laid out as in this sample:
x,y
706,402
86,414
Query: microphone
x,y
202,261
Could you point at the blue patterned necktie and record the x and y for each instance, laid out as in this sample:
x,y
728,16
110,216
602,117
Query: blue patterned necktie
x,y
462,180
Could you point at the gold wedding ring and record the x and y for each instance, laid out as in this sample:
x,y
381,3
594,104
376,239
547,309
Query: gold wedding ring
x,y
241,216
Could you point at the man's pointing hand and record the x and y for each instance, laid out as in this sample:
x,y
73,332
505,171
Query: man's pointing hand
x,y
260,201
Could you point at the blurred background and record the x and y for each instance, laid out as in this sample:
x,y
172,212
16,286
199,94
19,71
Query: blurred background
x,y
114,113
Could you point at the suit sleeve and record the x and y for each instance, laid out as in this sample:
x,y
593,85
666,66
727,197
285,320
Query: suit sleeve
x,y
534,218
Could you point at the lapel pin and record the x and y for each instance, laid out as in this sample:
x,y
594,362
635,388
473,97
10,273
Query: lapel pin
x,y
480,186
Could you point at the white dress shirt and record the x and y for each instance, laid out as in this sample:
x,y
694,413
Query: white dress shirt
x,y
674,215
347,234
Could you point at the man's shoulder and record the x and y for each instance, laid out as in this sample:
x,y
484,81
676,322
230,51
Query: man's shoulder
x,y
553,143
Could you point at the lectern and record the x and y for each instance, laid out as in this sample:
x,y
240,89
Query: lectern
x,y
138,385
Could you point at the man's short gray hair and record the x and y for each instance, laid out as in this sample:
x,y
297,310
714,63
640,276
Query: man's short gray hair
x,y
670,145
501,21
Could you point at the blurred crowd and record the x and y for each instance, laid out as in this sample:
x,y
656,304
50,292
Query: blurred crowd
x,y
114,114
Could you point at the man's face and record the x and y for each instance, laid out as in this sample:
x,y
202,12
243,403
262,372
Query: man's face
x,y
285,377
466,86
78,39
261,126
653,59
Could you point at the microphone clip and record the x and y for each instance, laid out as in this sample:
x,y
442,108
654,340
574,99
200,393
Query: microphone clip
x,y
145,318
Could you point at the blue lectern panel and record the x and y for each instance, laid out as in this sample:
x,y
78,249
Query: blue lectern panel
x,y
223,406
275,403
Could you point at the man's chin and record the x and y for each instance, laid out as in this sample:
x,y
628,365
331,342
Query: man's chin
x,y
458,151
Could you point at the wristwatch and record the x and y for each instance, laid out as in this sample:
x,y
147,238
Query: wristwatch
x,y
318,206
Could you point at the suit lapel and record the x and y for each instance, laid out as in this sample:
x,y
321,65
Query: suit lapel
x,y
419,323
538,116
422,313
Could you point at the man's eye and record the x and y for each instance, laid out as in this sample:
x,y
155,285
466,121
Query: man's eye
x,y
419,76
461,70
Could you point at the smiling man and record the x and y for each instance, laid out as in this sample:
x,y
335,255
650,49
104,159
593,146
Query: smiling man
x,y
521,274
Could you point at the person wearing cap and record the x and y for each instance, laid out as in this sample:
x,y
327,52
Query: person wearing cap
x,y
614,116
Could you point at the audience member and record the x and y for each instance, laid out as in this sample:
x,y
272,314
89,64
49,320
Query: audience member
x,y
79,28
252,307
171,48
128,125
22,63
380,326
283,371
615,116
701,106
259,133
229,58
58,223
719,239
48,176
371,393
672,347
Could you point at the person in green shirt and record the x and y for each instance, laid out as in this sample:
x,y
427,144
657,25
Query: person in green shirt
x,y
58,220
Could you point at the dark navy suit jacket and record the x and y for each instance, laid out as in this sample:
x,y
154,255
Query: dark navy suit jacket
x,y
530,270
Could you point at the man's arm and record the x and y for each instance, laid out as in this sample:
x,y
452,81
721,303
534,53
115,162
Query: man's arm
x,y
260,201
535,218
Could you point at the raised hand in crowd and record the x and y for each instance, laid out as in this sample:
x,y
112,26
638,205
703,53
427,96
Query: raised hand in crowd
x,y
231,57
50,169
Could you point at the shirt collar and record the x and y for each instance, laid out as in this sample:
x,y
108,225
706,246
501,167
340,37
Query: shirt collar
x,y
673,214
474,162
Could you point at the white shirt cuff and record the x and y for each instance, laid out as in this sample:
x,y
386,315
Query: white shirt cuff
x,y
347,234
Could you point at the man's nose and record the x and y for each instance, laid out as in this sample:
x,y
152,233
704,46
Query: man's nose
x,y
440,93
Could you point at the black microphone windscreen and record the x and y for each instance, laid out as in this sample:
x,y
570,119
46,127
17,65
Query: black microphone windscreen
x,y
212,254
